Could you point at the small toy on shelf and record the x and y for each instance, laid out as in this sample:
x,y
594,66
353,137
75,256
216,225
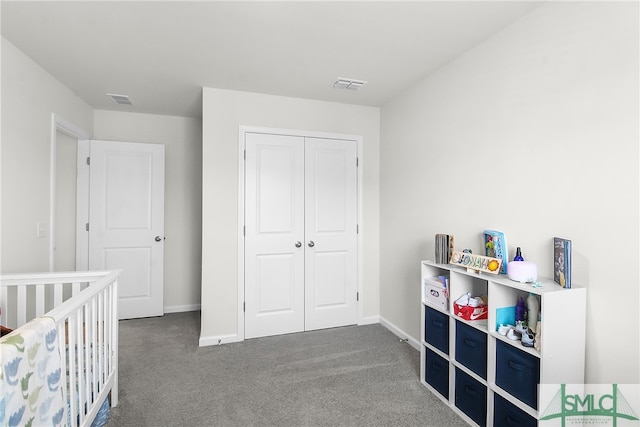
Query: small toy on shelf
x,y
476,263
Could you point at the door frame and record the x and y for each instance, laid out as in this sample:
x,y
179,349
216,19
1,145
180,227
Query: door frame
x,y
58,124
241,195
82,205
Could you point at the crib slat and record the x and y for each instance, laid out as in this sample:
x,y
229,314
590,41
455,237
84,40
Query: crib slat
x,y
22,305
72,349
81,365
110,330
75,288
40,300
114,341
58,290
3,313
64,361
93,348
100,327
86,348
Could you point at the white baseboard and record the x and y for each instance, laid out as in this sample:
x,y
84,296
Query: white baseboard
x,y
400,333
181,308
226,339
371,320
218,340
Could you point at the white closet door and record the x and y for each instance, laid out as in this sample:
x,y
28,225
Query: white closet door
x,y
274,235
330,233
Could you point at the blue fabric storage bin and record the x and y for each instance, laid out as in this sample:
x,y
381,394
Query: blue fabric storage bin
x,y
518,373
471,348
505,414
436,329
437,372
471,397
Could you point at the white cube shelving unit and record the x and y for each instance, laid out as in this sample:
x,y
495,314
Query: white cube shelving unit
x,y
455,352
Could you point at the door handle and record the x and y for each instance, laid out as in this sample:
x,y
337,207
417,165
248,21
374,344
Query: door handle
x,y
311,244
298,244
158,239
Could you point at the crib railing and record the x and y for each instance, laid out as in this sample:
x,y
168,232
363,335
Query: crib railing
x,y
26,296
85,310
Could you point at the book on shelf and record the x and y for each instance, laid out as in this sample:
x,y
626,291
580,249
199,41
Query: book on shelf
x,y
495,246
562,262
444,248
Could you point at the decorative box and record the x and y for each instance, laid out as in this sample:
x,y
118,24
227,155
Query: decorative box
x,y
471,313
436,293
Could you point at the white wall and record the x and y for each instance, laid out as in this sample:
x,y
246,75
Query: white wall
x,y
29,96
223,112
535,133
182,138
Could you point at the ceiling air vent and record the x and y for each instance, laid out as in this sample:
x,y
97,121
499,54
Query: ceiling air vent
x,y
351,84
120,99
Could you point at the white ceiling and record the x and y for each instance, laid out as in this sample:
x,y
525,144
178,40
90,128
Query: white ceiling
x,y
162,53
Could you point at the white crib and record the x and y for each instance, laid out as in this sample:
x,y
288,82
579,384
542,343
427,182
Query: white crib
x,y
84,307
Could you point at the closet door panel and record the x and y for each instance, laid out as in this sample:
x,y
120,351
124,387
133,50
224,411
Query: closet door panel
x,y
330,233
274,220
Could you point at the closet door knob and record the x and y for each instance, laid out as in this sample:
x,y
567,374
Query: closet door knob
x,y
311,244
298,244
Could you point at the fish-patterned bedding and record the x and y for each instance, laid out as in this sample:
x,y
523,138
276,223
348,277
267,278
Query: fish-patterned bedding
x,y
30,376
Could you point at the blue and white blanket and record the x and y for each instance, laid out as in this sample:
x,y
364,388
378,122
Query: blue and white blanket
x,y
31,376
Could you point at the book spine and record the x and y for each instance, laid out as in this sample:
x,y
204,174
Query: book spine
x,y
567,264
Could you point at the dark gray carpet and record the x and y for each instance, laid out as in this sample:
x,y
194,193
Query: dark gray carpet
x,y
351,376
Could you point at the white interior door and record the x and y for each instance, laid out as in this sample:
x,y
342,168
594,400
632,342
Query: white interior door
x,y
330,233
300,234
274,221
126,221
